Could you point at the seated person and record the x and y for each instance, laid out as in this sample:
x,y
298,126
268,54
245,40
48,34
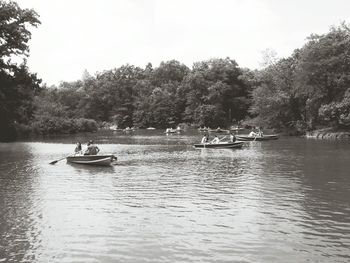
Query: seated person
x,y
78,148
260,133
232,137
205,139
91,149
252,133
215,140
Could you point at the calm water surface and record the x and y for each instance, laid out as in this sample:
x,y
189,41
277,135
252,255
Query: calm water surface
x,y
278,201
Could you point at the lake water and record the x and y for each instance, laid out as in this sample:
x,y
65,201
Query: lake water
x,y
278,201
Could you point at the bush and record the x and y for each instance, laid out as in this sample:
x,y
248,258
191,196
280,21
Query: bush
x,y
60,125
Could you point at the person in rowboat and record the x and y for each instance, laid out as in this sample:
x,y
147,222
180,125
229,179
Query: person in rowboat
x,y
232,137
92,149
205,138
260,133
252,133
215,140
78,149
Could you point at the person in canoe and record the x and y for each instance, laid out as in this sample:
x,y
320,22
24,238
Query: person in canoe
x,y
92,149
205,138
232,137
215,140
260,133
78,149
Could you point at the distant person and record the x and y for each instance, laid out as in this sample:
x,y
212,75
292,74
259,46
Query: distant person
x,y
205,138
232,137
77,149
260,133
215,140
252,133
92,149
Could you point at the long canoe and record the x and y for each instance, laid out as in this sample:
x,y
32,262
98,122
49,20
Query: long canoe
x,y
104,160
220,145
257,138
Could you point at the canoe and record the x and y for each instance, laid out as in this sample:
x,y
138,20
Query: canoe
x,y
103,160
220,145
263,138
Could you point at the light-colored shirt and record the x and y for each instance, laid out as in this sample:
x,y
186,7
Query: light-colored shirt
x,y
216,140
252,134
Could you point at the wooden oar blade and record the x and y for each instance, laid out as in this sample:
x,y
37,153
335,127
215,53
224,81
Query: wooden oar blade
x,y
53,162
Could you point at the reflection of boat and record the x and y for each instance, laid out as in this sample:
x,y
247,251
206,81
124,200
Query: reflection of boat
x,y
220,145
257,138
103,160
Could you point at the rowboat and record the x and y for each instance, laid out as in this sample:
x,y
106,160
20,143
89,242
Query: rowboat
x,y
220,145
257,138
219,130
104,160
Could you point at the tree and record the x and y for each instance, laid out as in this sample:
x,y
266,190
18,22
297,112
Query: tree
x,y
17,85
14,33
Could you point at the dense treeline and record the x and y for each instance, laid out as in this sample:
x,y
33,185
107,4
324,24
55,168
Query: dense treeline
x,y
310,89
212,93
307,90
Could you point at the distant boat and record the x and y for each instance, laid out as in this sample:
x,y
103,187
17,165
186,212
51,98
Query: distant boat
x,y
218,130
150,128
203,129
101,160
233,128
115,128
220,145
257,138
170,130
128,129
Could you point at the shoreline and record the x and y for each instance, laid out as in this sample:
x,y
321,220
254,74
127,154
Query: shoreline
x,y
328,133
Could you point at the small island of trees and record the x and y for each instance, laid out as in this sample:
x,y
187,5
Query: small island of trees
x,y
308,90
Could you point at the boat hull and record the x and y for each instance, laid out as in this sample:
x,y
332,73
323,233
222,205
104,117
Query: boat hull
x,y
221,145
264,138
101,160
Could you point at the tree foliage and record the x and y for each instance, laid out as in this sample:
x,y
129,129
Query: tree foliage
x,y
17,85
308,89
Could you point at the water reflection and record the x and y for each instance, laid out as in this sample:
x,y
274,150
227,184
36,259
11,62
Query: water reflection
x,y
166,201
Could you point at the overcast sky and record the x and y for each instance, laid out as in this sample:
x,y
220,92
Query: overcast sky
x,y
102,34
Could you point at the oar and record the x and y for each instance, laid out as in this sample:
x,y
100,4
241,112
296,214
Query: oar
x,y
53,162
222,138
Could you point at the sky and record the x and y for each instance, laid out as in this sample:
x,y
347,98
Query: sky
x,y
97,35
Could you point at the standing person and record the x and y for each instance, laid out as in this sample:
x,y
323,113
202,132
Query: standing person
x,y
232,137
92,149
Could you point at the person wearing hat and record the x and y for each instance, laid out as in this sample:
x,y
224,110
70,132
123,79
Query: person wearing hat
x,y
92,149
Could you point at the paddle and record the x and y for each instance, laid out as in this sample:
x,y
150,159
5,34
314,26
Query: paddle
x,y
53,162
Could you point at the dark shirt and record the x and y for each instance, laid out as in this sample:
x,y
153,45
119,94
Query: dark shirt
x,y
92,150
